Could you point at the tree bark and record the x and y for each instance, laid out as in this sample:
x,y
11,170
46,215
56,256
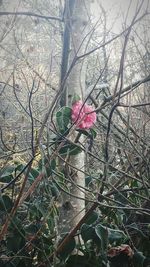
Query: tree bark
x,y
73,208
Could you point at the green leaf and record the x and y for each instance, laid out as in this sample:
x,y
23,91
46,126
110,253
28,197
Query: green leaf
x,y
93,133
135,227
37,210
75,98
47,166
6,178
53,164
40,208
67,249
122,198
32,228
15,223
87,232
40,165
50,223
78,261
16,235
15,242
63,117
70,149
6,175
115,235
102,232
138,259
33,175
84,132
92,218
6,203
74,150
54,190
7,170
8,264
19,167
34,172
88,180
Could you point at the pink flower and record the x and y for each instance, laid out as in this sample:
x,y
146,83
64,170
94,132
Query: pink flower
x,y
80,115
125,249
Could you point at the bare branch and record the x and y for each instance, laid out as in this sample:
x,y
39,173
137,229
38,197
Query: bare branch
x,y
30,14
125,90
112,39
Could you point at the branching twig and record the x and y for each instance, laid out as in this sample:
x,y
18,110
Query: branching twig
x,y
30,14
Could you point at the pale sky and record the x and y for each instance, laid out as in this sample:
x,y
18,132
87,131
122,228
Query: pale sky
x,y
117,10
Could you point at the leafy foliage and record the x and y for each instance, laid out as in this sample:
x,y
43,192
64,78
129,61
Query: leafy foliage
x,y
31,235
63,118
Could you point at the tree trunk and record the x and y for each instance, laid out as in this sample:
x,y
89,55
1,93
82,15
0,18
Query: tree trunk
x,y
73,208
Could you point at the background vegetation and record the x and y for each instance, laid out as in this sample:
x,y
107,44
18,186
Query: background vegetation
x,y
68,196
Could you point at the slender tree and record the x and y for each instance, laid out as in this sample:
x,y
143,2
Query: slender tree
x,y
74,43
